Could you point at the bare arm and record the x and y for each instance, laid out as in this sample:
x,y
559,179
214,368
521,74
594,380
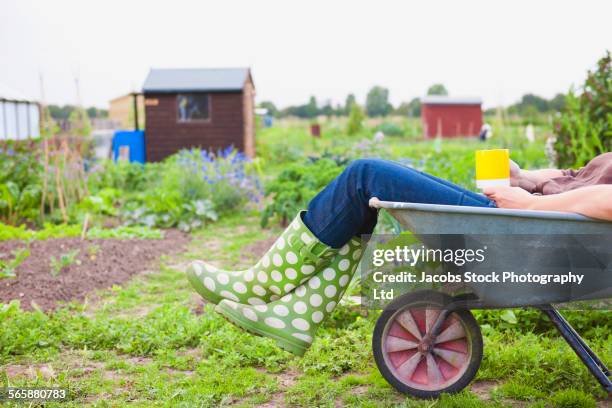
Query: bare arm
x,y
592,201
542,175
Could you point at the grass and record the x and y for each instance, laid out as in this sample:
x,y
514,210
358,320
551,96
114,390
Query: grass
x,y
153,343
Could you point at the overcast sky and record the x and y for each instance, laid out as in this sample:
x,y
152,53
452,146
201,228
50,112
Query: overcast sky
x,y
497,50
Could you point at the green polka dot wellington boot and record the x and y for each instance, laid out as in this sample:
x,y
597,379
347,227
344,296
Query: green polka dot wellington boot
x,y
292,321
295,256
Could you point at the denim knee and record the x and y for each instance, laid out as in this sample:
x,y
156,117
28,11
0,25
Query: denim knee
x,y
362,166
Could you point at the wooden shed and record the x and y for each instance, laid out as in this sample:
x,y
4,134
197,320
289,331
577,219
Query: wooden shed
x,y
125,110
205,108
451,117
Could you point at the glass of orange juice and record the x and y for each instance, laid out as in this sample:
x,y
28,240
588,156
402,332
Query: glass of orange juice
x,y
492,168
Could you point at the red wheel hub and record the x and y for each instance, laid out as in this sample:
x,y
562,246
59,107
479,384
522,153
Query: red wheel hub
x,y
421,360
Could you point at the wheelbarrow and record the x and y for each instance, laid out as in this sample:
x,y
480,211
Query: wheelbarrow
x,y
426,342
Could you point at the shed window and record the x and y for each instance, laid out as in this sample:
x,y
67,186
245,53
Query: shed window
x,y
193,107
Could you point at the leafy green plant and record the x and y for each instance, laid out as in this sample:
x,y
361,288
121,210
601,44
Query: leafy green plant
x,y
355,120
584,129
20,183
123,176
64,261
48,231
227,178
103,203
196,186
390,129
125,232
295,186
167,209
8,268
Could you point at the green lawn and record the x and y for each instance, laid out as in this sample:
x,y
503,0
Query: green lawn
x,y
153,342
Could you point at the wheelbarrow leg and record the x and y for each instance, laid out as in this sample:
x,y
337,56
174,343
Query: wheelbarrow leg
x,y
582,350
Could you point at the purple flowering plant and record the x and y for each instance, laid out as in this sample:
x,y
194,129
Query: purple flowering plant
x,y
227,177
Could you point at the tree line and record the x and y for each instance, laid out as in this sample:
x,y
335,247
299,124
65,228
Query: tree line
x,y
377,104
62,113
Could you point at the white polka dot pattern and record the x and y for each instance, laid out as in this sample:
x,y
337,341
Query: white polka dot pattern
x,y
277,260
329,274
300,324
307,239
315,282
300,307
290,273
261,308
265,262
262,277
229,295
239,287
316,300
297,317
330,291
281,310
291,258
209,283
249,314
274,322
307,269
280,244
197,268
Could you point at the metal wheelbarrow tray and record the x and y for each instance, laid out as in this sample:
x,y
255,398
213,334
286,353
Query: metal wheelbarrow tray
x,y
428,343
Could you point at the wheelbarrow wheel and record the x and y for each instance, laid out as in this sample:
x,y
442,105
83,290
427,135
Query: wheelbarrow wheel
x,y
414,361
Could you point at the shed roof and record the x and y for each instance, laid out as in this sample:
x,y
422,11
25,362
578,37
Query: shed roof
x,y
10,94
196,79
447,100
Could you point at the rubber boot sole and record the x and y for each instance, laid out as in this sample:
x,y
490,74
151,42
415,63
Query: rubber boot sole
x,y
235,317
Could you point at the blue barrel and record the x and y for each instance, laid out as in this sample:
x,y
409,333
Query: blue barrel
x,y
129,145
268,121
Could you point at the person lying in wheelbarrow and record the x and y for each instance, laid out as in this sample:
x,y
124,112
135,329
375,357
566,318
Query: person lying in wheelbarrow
x,y
302,277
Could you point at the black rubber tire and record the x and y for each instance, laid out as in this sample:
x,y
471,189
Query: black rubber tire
x,y
423,298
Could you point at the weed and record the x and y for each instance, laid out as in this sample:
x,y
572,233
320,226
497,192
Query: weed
x,y
64,261
572,398
93,251
8,268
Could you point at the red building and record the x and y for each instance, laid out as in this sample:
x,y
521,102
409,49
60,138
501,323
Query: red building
x,y
451,117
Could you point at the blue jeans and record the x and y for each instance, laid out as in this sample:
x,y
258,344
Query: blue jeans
x,y
341,211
